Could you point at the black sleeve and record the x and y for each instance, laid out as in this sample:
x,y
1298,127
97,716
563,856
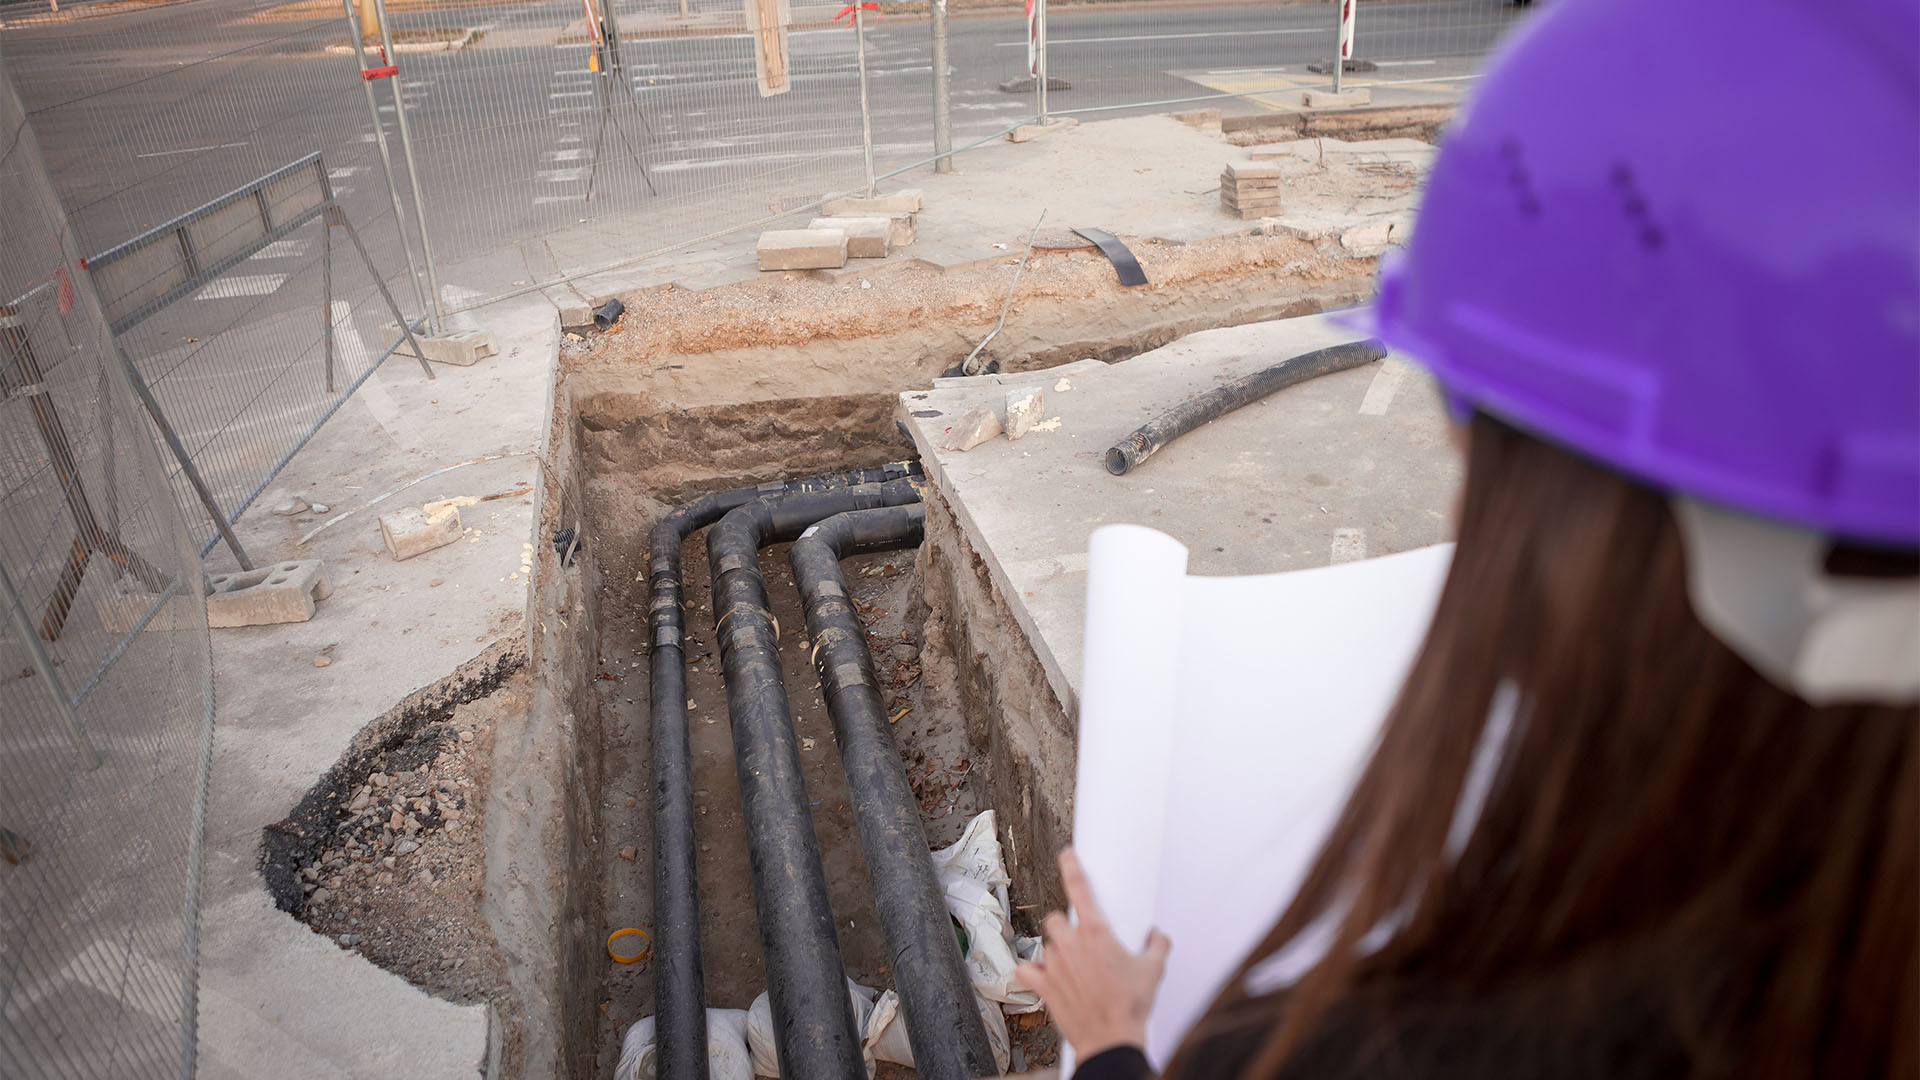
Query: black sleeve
x,y
1119,1063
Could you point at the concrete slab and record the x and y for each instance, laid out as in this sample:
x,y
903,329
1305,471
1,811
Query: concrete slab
x,y
1359,461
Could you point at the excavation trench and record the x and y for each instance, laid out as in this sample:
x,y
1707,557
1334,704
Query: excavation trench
x,y
636,469
775,379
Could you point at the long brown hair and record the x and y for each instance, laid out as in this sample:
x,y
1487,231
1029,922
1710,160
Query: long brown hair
x,y
1678,867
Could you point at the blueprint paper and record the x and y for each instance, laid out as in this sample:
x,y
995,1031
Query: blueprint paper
x,y
1222,722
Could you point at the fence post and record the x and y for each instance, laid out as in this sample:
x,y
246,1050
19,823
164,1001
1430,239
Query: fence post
x,y
386,156
942,93
1342,41
413,174
1040,44
866,113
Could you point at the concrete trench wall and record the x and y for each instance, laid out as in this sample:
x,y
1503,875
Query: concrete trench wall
x,y
1013,716
543,895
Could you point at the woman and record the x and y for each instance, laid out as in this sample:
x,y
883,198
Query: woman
x,y
1646,805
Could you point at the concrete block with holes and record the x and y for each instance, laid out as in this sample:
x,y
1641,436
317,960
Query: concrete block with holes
x,y
281,593
461,348
413,531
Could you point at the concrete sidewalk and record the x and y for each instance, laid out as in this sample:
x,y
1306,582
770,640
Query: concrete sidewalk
x,y
276,999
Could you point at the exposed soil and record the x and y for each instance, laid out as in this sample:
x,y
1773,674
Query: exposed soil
x,y
800,307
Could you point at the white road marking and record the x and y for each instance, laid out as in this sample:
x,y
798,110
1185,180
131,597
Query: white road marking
x,y
350,358
191,150
738,162
560,176
282,249
343,191
1405,63
542,200
1349,545
570,93
243,285
565,155
1162,37
1385,384
570,138
343,172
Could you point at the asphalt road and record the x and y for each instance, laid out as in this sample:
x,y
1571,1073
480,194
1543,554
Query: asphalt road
x,y
147,114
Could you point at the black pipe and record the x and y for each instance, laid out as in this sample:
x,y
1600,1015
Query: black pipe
x,y
608,314
1149,437
943,1020
679,989
813,1024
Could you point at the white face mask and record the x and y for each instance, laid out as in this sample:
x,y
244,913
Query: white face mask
x,y
1760,586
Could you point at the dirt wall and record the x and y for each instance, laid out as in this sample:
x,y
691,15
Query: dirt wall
x,y
1016,723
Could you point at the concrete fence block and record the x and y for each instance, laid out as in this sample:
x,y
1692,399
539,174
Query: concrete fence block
x,y
461,348
1327,99
281,593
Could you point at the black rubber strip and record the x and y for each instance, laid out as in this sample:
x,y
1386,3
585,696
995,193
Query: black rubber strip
x,y
1116,252
1205,408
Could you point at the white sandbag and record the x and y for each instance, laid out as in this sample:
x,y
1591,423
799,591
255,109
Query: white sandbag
x,y
974,877
760,1040
885,1036
727,1054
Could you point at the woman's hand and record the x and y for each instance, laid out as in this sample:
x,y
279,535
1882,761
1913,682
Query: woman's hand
x,y
1097,993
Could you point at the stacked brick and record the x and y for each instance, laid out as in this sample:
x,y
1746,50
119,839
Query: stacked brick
x,y
1250,191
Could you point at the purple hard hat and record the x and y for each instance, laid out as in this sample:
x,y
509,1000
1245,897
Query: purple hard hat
x,y
1683,239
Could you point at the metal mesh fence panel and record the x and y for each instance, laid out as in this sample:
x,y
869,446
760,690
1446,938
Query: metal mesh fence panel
x,y
152,112
105,676
537,134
